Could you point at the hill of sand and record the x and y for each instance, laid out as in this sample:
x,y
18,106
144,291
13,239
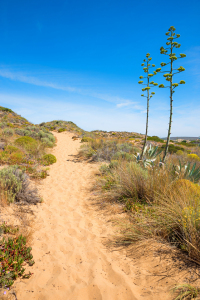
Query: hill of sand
x,y
71,262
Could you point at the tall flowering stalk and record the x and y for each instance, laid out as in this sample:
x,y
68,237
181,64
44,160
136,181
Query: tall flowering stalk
x,y
147,66
171,42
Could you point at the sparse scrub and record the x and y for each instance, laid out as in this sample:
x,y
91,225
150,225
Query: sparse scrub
x,y
106,150
8,131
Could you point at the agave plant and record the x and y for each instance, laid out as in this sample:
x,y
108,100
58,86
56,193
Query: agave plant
x,y
188,171
149,156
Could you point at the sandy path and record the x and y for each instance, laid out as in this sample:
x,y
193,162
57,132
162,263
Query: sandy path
x,y
70,260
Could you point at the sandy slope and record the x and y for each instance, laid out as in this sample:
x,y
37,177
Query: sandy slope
x,y
70,260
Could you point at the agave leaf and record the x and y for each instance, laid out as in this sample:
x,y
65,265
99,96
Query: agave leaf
x,y
193,168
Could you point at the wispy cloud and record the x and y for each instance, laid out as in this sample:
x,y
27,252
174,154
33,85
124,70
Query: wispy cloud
x,y
19,76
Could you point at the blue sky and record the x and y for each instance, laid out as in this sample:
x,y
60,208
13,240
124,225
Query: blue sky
x,y
80,61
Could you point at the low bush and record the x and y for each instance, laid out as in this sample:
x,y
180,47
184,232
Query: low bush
x,y
179,152
155,139
16,186
61,129
26,142
12,155
11,149
13,255
34,148
172,148
86,139
5,109
48,159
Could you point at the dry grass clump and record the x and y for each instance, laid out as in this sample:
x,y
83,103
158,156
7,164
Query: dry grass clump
x,y
129,181
162,206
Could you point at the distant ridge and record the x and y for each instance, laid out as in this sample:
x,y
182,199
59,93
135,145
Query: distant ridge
x,y
183,138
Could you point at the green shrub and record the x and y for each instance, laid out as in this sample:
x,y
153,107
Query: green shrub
x,y
47,142
16,158
48,159
16,186
172,148
155,139
25,141
11,149
86,139
12,155
5,109
61,129
179,152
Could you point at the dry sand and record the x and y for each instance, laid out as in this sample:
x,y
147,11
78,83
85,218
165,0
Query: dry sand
x,y
71,262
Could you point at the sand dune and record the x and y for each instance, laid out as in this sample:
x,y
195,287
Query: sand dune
x,y
70,260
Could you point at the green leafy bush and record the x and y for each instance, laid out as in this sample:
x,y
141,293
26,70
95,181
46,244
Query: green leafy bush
x,y
48,159
16,186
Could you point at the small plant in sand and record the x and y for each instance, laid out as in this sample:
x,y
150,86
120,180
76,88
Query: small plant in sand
x,y
186,292
147,66
13,254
